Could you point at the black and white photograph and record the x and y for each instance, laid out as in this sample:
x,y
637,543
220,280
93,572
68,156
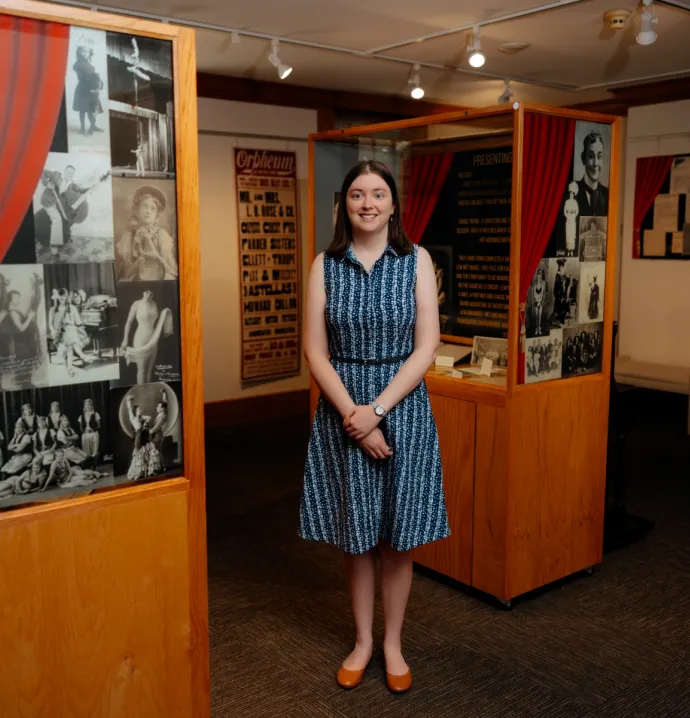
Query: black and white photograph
x,y
544,357
145,230
82,322
539,305
23,335
73,210
582,349
593,238
442,259
149,342
591,302
147,420
86,92
54,443
564,285
496,350
140,83
591,168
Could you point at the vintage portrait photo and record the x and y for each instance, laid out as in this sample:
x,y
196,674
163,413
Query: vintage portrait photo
x,y
565,238
582,348
73,210
149,341
53,442
591,163
593,238
544,357
147,420
142,136
82,321
442,259
496,350
23,344
539,305
145,230
86,92
564,284
591,302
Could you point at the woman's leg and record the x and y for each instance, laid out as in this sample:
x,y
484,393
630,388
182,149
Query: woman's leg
x,y
361,583
396,581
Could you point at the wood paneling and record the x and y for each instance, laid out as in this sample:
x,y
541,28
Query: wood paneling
x,y
557,483
515,243
95,613
491,497
231,412
452,557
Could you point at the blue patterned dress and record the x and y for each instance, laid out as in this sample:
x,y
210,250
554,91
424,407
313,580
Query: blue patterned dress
x,y
350,499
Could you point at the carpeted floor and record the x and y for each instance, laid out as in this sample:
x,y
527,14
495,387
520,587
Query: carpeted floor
x,y
616,643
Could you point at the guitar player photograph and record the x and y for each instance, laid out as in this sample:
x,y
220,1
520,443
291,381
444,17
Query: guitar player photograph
x,y
73,216
145,231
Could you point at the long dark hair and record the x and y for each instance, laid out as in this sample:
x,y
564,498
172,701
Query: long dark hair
x,y
342,236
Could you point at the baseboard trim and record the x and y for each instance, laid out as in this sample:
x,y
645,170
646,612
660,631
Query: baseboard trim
x,y
247,410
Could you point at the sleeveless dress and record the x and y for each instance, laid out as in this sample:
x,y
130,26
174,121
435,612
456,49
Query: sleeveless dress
x,y
350,499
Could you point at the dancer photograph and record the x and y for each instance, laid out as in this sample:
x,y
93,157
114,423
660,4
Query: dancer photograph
x,y
373,483
591,301
539,302
23,331
145,228
86,92
582,349
150,345
148,442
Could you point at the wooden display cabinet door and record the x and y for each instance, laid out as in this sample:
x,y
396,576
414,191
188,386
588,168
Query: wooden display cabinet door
x,y
452,556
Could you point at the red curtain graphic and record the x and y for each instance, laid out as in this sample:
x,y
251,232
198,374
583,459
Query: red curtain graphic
x,y
548,151
33,59
426,173
650,175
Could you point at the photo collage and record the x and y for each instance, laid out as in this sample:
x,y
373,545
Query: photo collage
x,y
90,371
564,315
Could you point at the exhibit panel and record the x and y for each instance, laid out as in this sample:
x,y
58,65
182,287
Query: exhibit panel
x,y
517,207
101,408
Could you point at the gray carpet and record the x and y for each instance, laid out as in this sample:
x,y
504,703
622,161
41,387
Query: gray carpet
x,y
616,643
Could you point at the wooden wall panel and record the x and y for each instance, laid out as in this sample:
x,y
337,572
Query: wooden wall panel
x,y
98,604
558,480
489,560
452,557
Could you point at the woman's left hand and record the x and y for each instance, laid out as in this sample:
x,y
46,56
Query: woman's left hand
x,y
361,421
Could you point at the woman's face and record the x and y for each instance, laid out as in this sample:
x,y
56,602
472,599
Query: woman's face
x,y
42,423
28,412
64,422
14,300
570,209
594,158
369,203
88,405
137,411
147,212
148,296
62,298
54,407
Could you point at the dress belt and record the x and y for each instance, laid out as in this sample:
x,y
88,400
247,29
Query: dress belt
x,y
370,362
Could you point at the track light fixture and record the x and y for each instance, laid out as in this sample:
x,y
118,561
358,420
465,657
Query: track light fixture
x,y
416,90
507,95
477,58
647,36
283,69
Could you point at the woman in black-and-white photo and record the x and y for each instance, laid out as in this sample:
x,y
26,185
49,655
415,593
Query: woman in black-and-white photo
x,y
68,440
90,425
87,94
538,298
20,450
145,457
45,443
67,331
593,309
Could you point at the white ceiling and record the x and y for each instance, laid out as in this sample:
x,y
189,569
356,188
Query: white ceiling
x,y
571,57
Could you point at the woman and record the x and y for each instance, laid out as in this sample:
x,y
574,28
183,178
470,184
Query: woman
x,y
373,479
67,439
87,94
539,294
44,443
20,449
593,308
27,421
90,426
150,325
67,331
145,457
54,415
146,251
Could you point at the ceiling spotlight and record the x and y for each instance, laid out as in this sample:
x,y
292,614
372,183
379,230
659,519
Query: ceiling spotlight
x,y
283,69
505,98
417,91
477,58
647,36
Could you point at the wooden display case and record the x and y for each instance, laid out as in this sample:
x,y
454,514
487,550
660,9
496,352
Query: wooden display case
x,y
524,463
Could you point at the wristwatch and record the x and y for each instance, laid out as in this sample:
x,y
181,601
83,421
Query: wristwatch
x,y
378,409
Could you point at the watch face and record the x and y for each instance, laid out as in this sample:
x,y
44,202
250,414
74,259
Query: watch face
x,y
379,410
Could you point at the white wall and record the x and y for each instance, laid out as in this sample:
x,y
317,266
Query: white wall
x,y
654,294
223,126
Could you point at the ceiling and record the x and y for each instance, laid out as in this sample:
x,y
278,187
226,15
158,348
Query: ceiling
x,y
572,57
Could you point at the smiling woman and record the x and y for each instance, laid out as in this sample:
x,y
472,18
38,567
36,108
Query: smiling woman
x,y
373,480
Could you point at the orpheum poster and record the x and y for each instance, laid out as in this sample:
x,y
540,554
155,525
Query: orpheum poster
x,y
269,263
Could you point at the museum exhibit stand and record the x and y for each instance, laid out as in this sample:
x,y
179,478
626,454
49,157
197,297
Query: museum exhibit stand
x,y
102,487
517,206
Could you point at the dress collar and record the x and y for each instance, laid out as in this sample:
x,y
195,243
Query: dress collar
x,y
349,254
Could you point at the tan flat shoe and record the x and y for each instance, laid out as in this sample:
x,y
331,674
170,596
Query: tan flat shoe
x,y
399,684
350,679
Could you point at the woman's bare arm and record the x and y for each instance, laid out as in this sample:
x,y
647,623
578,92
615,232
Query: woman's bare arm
x,y
316,342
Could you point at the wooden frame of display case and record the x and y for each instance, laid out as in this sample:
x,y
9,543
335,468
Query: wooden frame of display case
x,y
525,464
108,593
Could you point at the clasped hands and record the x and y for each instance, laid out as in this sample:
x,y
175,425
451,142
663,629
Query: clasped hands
x,y
362,425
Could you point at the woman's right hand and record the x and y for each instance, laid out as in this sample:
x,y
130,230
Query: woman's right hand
x,y
375,445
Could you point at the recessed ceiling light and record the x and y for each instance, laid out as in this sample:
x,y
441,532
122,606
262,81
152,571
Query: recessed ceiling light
x,y
512,48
